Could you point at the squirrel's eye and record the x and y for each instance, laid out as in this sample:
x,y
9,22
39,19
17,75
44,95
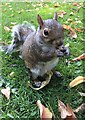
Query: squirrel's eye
x,y
46,32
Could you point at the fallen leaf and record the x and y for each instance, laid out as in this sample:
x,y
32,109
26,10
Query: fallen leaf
x,y
79,30
69,20
73,116
56,4
72,32
44,83
77,81
78,58
82,94
61,14
76,4
13,23
63,110
71,13
66,27
66,111
44,112
7,29
67,45
6,92
11,74
74,22
80,108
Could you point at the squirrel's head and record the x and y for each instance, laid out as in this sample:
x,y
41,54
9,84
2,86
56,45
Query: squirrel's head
x,y
51,31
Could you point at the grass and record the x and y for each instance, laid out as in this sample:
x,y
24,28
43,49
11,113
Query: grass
x,y
22,103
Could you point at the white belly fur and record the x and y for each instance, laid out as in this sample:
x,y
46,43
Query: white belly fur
x,y
43,67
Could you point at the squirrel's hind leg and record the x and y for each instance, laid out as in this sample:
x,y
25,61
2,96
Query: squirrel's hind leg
x,y
40,81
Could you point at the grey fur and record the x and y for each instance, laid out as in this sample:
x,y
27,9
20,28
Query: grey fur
x,y
19,35
41,51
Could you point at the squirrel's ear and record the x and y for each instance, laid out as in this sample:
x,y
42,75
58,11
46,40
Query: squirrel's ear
x,y
40,21
55,16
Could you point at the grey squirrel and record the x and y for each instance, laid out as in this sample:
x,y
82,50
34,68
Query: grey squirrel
x,y
40,48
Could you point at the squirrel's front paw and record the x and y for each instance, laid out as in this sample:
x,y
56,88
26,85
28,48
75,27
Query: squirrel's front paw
x,y
59,53
65,50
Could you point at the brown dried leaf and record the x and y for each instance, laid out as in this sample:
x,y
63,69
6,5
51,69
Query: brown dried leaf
x,y
72,32
7,29
44,112
66,27
61,14
62,109
66,111
79,58
73,116
6,92
77,81
79,30
76,4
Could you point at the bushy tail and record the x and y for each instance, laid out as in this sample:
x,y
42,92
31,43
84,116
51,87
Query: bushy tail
x,y
21,31
19,35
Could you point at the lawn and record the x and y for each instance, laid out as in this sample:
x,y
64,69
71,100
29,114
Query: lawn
x,y
22,103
